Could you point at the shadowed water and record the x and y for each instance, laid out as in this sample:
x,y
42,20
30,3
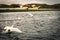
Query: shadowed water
x,y
44,25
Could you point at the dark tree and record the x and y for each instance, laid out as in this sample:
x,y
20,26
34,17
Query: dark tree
x,y
14,5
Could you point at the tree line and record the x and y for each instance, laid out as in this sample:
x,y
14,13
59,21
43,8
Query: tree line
x,y
56,6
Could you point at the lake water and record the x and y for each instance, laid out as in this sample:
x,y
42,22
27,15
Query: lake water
x,y
43,25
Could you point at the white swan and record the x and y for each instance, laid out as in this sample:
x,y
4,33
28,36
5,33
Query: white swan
x,y
12,29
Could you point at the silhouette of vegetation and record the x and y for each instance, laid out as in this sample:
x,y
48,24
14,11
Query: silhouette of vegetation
x,y
14,5
4,6
56,6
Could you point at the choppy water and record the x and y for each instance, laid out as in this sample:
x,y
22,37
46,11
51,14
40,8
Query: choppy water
x,y
43,25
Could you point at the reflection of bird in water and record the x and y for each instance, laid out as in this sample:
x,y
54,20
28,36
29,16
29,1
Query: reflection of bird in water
x,y
11,29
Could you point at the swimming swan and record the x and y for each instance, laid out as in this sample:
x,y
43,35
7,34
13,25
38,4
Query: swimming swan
x,y
12,29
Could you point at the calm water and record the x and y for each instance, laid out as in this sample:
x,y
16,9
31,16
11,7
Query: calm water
x,y
44,25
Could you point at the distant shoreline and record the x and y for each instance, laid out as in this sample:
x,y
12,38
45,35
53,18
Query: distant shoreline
x,y
26,10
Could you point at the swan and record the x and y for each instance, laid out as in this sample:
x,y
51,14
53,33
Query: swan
x,y
12,29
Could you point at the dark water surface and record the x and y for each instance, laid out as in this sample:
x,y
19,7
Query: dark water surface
x,y
44,25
